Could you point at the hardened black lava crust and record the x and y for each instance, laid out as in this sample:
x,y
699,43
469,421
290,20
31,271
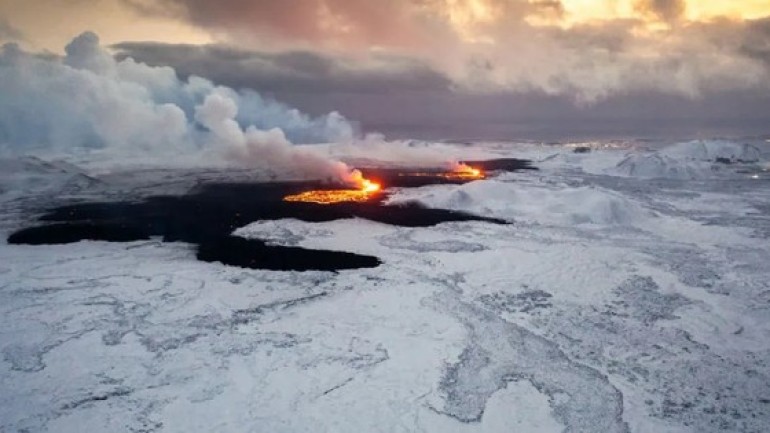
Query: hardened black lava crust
x,y
207,216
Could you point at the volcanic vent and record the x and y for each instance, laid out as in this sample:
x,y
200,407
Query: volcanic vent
x,y
364,191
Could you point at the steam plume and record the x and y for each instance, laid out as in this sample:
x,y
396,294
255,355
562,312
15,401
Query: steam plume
x,y
87,100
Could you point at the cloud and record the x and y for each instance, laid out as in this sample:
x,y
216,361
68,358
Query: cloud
x,y
87,100
291,71
498,45
666,10
412,100
341,22
8,32
755,42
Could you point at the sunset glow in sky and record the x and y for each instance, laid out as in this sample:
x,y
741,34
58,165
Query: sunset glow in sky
x,y
48,24
317,53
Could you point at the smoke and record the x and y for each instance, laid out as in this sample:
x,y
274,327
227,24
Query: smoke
x,y
86,101
374,150
218,113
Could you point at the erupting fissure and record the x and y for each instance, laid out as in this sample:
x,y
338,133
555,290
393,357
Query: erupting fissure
x,y
365,191
460,171
464,171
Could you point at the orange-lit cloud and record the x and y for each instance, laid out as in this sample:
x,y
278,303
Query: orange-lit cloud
x,y
589,49
50,24
694,10
388,23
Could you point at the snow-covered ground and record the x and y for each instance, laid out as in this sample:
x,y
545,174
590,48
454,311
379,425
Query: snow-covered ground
x,y
631,293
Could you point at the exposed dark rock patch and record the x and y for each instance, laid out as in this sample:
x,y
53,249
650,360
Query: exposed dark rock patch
x,y
67,233
502,164
249,253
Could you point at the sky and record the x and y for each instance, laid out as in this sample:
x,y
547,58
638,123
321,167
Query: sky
x,y
458,69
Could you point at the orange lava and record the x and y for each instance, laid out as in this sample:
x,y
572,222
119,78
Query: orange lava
x,y
361,195
460,171
463,171
370,187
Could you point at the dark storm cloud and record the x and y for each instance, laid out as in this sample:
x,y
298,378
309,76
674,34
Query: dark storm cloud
x,y
292,71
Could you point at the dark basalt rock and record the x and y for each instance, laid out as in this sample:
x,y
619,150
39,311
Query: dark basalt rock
x,y
57,234
208,216
502,164
248,253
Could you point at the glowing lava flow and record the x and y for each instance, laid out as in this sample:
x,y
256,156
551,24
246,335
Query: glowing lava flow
x,y
363,194
460,172
463,171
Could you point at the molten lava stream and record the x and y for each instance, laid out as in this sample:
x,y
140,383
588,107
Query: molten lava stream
x,y
464,171
460,171
365,193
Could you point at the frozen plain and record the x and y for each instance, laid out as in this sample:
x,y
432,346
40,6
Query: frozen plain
x,y
631,293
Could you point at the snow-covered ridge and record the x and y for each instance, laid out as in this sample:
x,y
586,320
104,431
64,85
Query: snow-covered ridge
x,y
531,203
689,160
25,175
